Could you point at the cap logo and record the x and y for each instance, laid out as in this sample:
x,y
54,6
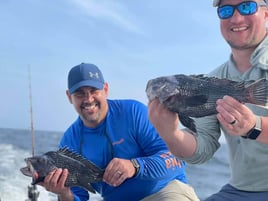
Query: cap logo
x,y
92,75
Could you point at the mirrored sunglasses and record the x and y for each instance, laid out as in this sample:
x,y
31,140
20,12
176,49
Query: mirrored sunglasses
x,y
244,8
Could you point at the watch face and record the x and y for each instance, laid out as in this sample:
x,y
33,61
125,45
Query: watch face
x,y
254,134
256,131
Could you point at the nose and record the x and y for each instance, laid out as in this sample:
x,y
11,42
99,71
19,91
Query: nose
x,y
88,96
236,16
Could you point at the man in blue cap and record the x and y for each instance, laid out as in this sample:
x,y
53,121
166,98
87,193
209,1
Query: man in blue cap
x,y
245,126
117,135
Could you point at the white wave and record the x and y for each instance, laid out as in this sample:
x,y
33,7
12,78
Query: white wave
x,y
13,184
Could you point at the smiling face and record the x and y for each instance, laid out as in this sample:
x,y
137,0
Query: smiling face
x,y
244,32
91,104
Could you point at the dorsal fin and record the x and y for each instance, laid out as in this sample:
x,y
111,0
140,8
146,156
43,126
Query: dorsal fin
x,y
75,155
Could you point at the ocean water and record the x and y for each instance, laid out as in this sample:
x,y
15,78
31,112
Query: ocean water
x,y
15,145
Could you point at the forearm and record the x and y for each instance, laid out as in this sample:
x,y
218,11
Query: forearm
x,y
181,143
159,166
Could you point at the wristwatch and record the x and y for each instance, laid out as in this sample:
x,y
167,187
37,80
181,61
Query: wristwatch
x,y
136,165
255,131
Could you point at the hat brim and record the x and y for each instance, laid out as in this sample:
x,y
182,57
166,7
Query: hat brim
x,y
86,83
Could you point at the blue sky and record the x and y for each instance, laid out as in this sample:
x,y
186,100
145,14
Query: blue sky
x,y
131,41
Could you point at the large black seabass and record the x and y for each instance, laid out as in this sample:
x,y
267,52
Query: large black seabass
x,y
196,95
82,172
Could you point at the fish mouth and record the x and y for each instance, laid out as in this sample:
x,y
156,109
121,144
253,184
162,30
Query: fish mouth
x,y
162,88
31,172
28,170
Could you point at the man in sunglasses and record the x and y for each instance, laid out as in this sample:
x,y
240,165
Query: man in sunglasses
x,y
245,126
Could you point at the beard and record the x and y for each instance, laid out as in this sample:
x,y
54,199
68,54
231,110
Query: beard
x,y
91,113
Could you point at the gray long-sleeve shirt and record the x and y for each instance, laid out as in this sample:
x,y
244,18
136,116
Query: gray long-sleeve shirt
x,y
248,158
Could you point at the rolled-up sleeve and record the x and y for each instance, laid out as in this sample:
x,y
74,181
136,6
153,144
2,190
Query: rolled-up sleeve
x,y
207,137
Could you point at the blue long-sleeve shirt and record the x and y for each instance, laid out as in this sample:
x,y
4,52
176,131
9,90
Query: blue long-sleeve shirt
x,y
125,133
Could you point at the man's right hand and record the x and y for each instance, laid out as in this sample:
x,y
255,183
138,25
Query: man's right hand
x,y
55,183
165,121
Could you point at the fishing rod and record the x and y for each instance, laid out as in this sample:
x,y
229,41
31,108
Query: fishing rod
x,y
31,111
33,193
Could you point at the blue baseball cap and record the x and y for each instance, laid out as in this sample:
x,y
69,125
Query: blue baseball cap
x,y
83,75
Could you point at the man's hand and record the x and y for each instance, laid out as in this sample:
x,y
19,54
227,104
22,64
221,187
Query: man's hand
x,y
236,117
117,171
165,121
54,182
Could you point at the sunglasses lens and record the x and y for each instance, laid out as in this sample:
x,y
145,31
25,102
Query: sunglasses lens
x,y
225,12
244,8
247,8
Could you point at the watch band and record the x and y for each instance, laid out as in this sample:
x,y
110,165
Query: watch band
x,y
136,165
255,131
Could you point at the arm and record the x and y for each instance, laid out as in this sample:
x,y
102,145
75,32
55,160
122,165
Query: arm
x,y
193,148
181,143
156,161
147,148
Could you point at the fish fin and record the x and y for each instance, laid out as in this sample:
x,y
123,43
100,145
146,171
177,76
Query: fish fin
x,y
92,171
176,101
196,100
38,180
89,188
257,92
218,81
199,76
187,122
67,152
83,183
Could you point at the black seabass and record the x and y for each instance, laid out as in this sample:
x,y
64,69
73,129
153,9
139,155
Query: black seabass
x,y
82,172
196,95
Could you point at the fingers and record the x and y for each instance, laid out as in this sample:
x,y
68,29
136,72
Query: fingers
x,y
117,171
55,180
229,108
235,117
152,105
116,178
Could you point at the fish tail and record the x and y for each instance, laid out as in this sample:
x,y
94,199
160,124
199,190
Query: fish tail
x,y
88,187
257,92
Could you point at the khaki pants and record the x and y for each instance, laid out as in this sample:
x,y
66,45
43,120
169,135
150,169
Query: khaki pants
x,y
174,191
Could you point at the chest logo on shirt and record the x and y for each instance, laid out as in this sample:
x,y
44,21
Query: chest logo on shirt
x,y
119,141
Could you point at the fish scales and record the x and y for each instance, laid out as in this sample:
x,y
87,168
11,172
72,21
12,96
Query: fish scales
x,y
196,95
75,163
82,172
